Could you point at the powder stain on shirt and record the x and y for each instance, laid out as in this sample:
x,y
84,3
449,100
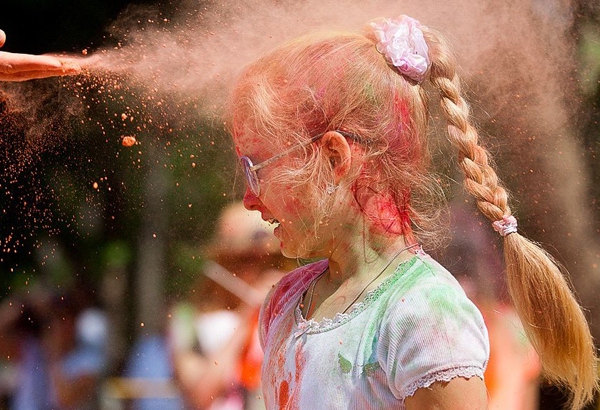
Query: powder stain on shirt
x,y
284,394
401,279
442,304
345,364
370,368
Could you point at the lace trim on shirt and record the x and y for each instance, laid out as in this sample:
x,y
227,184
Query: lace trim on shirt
x,y
443,376
326,324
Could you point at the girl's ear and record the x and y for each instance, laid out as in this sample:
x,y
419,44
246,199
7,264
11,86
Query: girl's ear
x,y
335,146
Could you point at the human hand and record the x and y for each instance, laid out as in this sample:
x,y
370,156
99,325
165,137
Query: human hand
x,y
22,67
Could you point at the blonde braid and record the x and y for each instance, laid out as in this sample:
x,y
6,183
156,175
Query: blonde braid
x,y
553,320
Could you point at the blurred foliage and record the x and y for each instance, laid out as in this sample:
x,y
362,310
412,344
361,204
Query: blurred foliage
x,y
586,30
590,58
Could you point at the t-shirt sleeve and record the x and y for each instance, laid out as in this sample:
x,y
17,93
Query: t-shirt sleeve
x,y
432,333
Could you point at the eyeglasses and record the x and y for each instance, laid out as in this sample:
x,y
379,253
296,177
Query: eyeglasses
x,y
250,169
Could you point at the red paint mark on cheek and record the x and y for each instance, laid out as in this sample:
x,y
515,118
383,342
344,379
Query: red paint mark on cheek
x,y
284,394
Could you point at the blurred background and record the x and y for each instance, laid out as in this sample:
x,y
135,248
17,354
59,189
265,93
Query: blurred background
x,y
117,231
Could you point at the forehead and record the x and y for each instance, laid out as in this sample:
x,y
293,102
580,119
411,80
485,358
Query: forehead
x,y
252,144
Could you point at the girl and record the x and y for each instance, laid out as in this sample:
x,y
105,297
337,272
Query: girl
x,y
331,130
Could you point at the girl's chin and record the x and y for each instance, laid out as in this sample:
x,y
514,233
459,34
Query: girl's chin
x,y
291,248
294,252
287,251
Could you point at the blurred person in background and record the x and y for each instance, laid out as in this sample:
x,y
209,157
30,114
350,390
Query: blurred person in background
x,y
74,342
21,326
148,375
214,338
57,353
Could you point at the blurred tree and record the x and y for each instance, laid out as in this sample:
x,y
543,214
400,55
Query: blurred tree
x,y
587,32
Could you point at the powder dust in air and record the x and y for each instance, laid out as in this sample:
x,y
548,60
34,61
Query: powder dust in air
x,y
128,141
179,65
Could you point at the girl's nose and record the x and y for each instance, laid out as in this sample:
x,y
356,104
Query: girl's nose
x,y
251,201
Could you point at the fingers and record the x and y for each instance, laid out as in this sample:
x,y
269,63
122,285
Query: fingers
x,y
75,64
12,63
21,67
70,66
30,75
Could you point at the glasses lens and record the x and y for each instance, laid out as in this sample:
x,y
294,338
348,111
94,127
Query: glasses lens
x,y
251,177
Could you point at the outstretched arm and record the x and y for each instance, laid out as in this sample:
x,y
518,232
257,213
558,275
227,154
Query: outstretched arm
x,y
22,67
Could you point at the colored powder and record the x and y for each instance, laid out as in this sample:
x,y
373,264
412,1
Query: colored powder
x,y
345,364
284,394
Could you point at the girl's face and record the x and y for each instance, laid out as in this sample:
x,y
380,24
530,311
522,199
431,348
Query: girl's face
x,y
280,203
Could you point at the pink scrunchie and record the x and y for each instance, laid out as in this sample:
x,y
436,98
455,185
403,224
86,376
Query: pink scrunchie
x,y
506,225
402,43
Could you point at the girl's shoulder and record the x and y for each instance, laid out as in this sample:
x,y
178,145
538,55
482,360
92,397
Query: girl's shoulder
x,y
423,271
429,322
424,292
427,294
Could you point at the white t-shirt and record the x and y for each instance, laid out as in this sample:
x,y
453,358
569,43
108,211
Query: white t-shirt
x,y
416,328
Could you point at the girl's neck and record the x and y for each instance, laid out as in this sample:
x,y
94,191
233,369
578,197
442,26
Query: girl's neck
x,y
352,273
360,259
369,229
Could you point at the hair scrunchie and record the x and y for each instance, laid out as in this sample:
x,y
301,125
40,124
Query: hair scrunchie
x,y
506,225
402,44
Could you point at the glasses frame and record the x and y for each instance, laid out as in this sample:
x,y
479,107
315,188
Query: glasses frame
x,y
250,168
